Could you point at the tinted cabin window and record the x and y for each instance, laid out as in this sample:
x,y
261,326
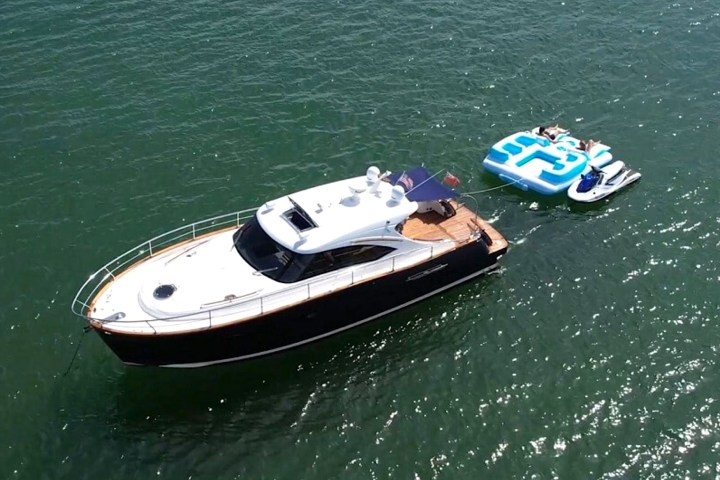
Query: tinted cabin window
x,y
274,261
343,257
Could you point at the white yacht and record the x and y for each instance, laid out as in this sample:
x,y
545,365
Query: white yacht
x,y
299,268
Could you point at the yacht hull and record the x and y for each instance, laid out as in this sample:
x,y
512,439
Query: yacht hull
x,y
308,321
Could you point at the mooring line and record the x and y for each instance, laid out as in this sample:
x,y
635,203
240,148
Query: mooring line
x,y
85,330
491,189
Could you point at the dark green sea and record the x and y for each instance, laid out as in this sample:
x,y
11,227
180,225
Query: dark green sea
x,y
591,354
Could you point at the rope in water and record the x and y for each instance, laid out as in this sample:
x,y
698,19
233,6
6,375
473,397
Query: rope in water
x,y
85,330
491,189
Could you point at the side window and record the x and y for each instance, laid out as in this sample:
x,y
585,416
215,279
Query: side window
x,y
359,254
344,257
320,263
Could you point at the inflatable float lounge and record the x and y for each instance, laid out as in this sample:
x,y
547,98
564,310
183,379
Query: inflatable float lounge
x,y
532,162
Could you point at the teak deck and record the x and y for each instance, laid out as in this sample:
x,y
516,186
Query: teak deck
x,y
432,226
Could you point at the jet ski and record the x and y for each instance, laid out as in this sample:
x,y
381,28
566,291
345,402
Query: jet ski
x,y
598,183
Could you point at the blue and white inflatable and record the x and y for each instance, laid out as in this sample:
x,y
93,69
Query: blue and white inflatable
x,y
533,162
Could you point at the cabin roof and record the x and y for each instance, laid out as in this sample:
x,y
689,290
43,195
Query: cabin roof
x,y
332,215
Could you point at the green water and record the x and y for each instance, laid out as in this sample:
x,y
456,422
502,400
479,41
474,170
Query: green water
x,y
592,354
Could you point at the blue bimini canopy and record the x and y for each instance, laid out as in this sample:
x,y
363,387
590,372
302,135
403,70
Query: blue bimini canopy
x,y
420,186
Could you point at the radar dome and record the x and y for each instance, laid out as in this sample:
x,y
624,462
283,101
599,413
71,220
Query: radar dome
x,y
397,194
373,173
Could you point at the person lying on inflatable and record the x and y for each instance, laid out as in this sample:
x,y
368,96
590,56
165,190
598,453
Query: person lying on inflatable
x,y
551,133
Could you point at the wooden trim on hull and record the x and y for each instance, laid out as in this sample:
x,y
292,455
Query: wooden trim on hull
x,y
307,322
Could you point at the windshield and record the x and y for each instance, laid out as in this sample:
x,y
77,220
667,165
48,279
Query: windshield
x,y
262,252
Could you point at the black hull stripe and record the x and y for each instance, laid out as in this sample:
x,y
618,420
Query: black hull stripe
x,y
327,334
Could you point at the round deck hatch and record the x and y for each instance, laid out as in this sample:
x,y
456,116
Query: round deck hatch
x,y
164,291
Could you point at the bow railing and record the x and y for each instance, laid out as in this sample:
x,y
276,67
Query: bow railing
x,y
192,231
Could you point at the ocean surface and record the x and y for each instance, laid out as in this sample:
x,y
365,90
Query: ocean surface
x,y
592,353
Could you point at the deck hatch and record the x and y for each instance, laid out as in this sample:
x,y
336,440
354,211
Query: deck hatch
x,y
299,218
